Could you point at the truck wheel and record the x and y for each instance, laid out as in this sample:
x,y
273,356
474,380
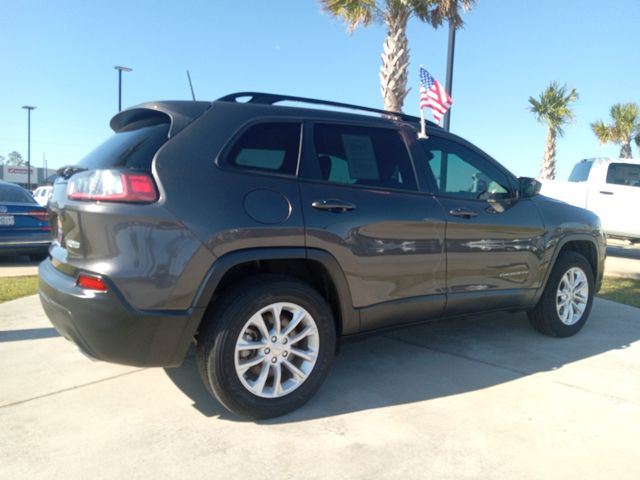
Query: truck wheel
x,y
566,301
266,346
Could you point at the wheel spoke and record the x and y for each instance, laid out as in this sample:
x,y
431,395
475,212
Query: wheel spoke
x,y
299,374
277,380
304,333
295,321
262,378
276,310
248,346
258,321
246,365
308,356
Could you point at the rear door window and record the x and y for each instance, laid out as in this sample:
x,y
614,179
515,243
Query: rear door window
x,y
269,147
133,147
11,194
624,174
366,156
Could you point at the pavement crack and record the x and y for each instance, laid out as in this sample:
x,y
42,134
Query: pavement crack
x,y
521,373
75,387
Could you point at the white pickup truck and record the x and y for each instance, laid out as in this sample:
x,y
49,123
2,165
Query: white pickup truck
x,y
609,187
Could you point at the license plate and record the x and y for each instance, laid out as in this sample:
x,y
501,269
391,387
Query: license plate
x,y
7,220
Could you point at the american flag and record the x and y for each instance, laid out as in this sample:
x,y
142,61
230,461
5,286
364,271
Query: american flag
x,y
433,95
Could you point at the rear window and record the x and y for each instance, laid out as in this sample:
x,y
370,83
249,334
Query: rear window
x,y
15,195
580,172
268,147
134,147
624,174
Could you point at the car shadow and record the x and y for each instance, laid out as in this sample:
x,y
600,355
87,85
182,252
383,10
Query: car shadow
x,y
626,251
27,334
437,360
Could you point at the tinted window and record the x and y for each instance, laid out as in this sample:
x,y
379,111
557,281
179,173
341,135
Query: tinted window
x,y
11,194
624,174
133,148
269,147
460,172
363,156
580,172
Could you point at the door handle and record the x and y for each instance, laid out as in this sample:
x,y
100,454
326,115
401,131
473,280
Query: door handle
x,y
463,212
333,205
606,193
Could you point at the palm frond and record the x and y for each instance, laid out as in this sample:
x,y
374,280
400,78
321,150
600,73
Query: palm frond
x,y
353,12
553,106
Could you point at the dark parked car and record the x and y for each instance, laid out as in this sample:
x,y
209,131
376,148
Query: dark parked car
x,y
263,233
24,226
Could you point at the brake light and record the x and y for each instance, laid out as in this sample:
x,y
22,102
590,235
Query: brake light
x,y
112,186
39,214
91,283
42,216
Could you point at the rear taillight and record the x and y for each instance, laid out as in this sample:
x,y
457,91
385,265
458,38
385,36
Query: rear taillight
x,y
112,186
90,282
41,216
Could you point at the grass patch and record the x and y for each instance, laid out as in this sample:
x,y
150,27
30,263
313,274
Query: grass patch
x,y
16,287
622,290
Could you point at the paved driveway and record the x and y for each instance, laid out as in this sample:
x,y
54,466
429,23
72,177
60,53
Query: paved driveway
x,y
483,397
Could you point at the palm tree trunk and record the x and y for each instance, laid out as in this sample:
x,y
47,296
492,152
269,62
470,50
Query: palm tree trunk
x,y
625,150
395,58
548,170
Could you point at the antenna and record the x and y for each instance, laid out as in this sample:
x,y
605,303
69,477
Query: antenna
x,y
193,95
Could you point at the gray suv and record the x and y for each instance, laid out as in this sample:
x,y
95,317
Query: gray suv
x,y
263,233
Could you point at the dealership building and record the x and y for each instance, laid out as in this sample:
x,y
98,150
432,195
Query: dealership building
x,y
20,174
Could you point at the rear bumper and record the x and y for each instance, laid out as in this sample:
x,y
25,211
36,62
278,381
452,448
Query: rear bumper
x,y
106,328
25,247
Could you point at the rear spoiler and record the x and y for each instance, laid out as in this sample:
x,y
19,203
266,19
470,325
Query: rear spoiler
x,y
179,113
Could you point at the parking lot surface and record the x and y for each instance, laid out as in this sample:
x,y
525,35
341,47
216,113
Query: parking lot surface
x,y
482,397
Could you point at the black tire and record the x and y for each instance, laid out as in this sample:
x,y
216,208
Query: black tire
x,y
544,316
226,321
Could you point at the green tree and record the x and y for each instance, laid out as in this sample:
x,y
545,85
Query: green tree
x,y
14,158
553,109
621,131
395,14
2,160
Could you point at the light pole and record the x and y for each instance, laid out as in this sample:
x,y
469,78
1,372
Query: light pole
x,y
449,84
29,108
120,70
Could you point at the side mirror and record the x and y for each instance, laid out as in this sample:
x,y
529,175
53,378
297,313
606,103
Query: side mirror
x,y
528,187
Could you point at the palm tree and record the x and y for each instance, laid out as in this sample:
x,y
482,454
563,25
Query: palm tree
x,y
625,124
395,14
553,109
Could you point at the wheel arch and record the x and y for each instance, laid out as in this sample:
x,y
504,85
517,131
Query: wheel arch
x,y
586,246
315,267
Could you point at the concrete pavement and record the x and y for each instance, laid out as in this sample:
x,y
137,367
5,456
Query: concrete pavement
x,y
17,266
483,397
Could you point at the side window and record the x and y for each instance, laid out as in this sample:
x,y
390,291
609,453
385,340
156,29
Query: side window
x,y
624,174
580,172
460,172
270,147
363,156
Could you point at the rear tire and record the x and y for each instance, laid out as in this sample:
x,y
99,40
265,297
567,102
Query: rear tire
x,y
566,302
266,346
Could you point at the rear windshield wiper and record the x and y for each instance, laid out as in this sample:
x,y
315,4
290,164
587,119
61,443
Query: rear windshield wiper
x,y
67,171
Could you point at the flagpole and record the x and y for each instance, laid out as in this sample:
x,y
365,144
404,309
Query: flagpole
x,y
423,130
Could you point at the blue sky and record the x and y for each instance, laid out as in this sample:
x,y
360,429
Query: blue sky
x,y
59,56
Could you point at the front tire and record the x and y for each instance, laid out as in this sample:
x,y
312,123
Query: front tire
x,y
566,302
267,346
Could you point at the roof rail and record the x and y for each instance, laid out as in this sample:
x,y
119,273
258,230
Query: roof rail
x,y
271,98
